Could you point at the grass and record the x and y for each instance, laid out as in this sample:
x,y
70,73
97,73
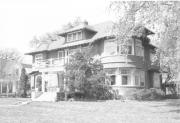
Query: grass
x,y
167,111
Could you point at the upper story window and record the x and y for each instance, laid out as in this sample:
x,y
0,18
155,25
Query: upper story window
x,y
38,57
61,54
74,36
125,48
139,48
152,56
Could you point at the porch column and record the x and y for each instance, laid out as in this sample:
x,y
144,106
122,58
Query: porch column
x,y
43,82
14,86
33,81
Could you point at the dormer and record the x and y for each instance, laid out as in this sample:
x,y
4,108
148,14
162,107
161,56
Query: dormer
x,y
80,32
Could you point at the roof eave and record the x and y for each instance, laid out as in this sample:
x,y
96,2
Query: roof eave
x,y
35,52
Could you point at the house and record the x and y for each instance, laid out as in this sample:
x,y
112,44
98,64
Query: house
x,y
130,71
10,77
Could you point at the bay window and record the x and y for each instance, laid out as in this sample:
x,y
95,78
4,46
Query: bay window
x,y
126,76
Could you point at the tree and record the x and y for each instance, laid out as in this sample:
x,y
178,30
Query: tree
x,y
72,24
8,57
23,84
85,75
161,16
45,38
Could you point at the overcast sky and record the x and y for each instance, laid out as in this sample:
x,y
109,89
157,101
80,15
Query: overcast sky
x,y
20,20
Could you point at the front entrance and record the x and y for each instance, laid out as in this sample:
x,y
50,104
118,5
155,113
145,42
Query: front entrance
x,y
39,83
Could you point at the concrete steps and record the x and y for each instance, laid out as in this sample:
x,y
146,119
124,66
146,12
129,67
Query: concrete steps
x,y
47,96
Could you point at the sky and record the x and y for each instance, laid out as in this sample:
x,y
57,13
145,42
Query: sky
x,y
21,20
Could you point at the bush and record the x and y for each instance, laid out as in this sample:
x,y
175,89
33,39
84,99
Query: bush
x,y
102,92
60,96
146,94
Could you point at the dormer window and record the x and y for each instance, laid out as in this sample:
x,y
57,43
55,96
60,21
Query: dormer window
x,y
74,36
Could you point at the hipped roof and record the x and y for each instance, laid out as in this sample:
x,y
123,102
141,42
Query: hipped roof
x,y
102,30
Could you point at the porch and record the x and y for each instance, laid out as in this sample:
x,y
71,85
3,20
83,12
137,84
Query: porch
x,y
8,87
46,85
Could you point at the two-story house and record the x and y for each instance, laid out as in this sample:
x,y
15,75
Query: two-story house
x,y
127,71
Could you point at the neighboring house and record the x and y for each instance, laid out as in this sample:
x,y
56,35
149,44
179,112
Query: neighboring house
x,y
10,80
133,70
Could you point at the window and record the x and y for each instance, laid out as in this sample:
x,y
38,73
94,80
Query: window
x,y
61,54
142,78
110,47
113,79
125,77
69,37
79,35
124,80
38,57
136,80
74,36
139,48
125,48
112,73
139,78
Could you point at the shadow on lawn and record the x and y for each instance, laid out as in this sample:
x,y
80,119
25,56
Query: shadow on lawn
x,y
176,111
174,103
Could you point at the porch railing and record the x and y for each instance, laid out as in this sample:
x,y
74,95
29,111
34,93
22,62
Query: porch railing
x,y
49,62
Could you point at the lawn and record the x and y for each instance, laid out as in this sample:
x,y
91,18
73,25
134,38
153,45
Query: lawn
x,y
167,111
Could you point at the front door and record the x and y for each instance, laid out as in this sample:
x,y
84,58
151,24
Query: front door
x,y
39,83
